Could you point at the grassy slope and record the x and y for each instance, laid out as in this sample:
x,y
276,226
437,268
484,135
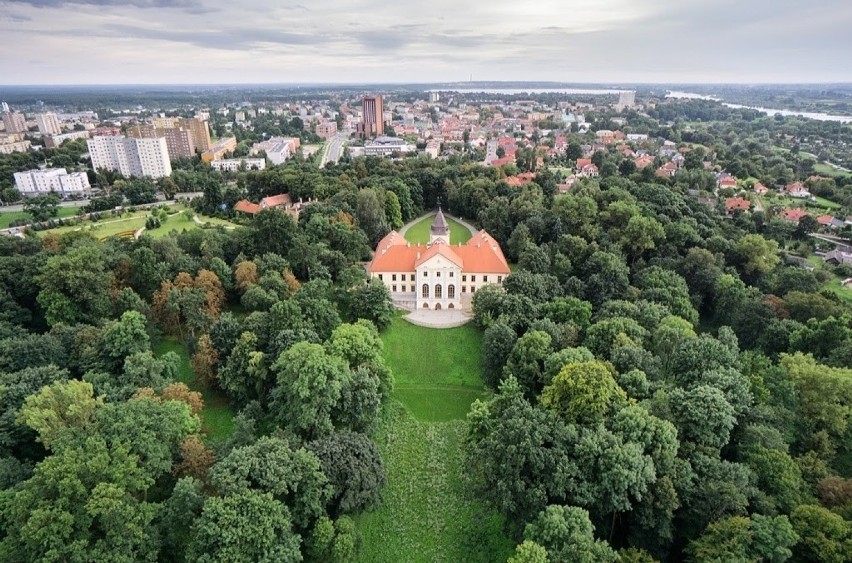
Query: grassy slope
x,y
419,232
217,417
6,217
428,513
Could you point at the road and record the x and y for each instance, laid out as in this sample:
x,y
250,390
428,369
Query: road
x,y
334,149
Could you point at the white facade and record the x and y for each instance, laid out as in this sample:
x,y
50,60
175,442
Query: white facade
x,y
277,149
234,164
385,146
48,124
14,122
17,146
131,157
57,180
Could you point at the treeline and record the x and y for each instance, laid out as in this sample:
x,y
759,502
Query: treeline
x,y
666,388
103,452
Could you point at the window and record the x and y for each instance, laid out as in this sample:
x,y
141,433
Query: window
x,y
499,279
451,292
472,289
438,292
451,274
393,277
464,289
425,290
380,277
425,274
437,274
411,289
393,288
473,278
485,278
464,278
403,277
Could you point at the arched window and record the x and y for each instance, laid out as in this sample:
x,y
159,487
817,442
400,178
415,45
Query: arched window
x,y
451,292
438,291
426,290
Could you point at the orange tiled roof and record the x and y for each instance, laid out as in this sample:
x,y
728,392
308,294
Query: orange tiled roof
x,y
245,206
583,162
480,254
825,219
733,203
794,215
276,200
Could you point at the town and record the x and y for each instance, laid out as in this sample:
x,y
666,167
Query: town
x,y
441,322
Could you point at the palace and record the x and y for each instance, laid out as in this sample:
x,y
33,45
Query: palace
x,y
437,275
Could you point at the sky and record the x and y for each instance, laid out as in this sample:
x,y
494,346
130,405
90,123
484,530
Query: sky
x,y
405,41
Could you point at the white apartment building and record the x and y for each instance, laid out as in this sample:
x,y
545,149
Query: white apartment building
x,y
14,122
131,157
234,164
58,180
48,124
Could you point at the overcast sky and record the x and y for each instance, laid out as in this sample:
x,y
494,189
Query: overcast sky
x,y
249,41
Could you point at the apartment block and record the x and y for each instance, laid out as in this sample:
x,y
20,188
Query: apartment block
x,y
14,122
130,156
48,124
57,180
179,141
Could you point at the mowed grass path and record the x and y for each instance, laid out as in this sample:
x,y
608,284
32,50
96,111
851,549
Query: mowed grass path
x,y
428,512
418,233
217,417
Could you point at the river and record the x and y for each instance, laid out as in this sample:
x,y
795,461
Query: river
x,y
511,91
819,116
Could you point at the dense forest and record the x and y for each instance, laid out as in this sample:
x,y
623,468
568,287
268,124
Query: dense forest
x,y
665,386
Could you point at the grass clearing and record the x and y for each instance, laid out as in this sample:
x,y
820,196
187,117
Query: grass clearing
x,y
427,513
430,357
217,417
106,227
7,217
418,233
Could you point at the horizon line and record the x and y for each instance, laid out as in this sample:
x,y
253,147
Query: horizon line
x,y
433,83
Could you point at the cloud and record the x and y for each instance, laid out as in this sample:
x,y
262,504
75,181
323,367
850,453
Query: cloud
x,y
115,3
442,40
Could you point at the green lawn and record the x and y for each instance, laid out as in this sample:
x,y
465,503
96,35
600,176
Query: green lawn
x,y
419,232
106,227
428,512
824,169
6,217
217,417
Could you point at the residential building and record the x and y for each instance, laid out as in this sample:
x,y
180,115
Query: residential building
x,y
14,146
57,180
386,146
280,201
179,141
14,122
217,151
797,190
199,130
793,215
278,149
51,141
234,164
131,157
372,117
586,168
626,100
326,129
433,148
437,275
736,204
48,124
760,189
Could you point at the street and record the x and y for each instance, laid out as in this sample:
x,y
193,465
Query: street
x,y
334,149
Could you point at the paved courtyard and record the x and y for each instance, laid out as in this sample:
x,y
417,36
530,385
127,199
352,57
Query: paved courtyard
x,y
445,318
